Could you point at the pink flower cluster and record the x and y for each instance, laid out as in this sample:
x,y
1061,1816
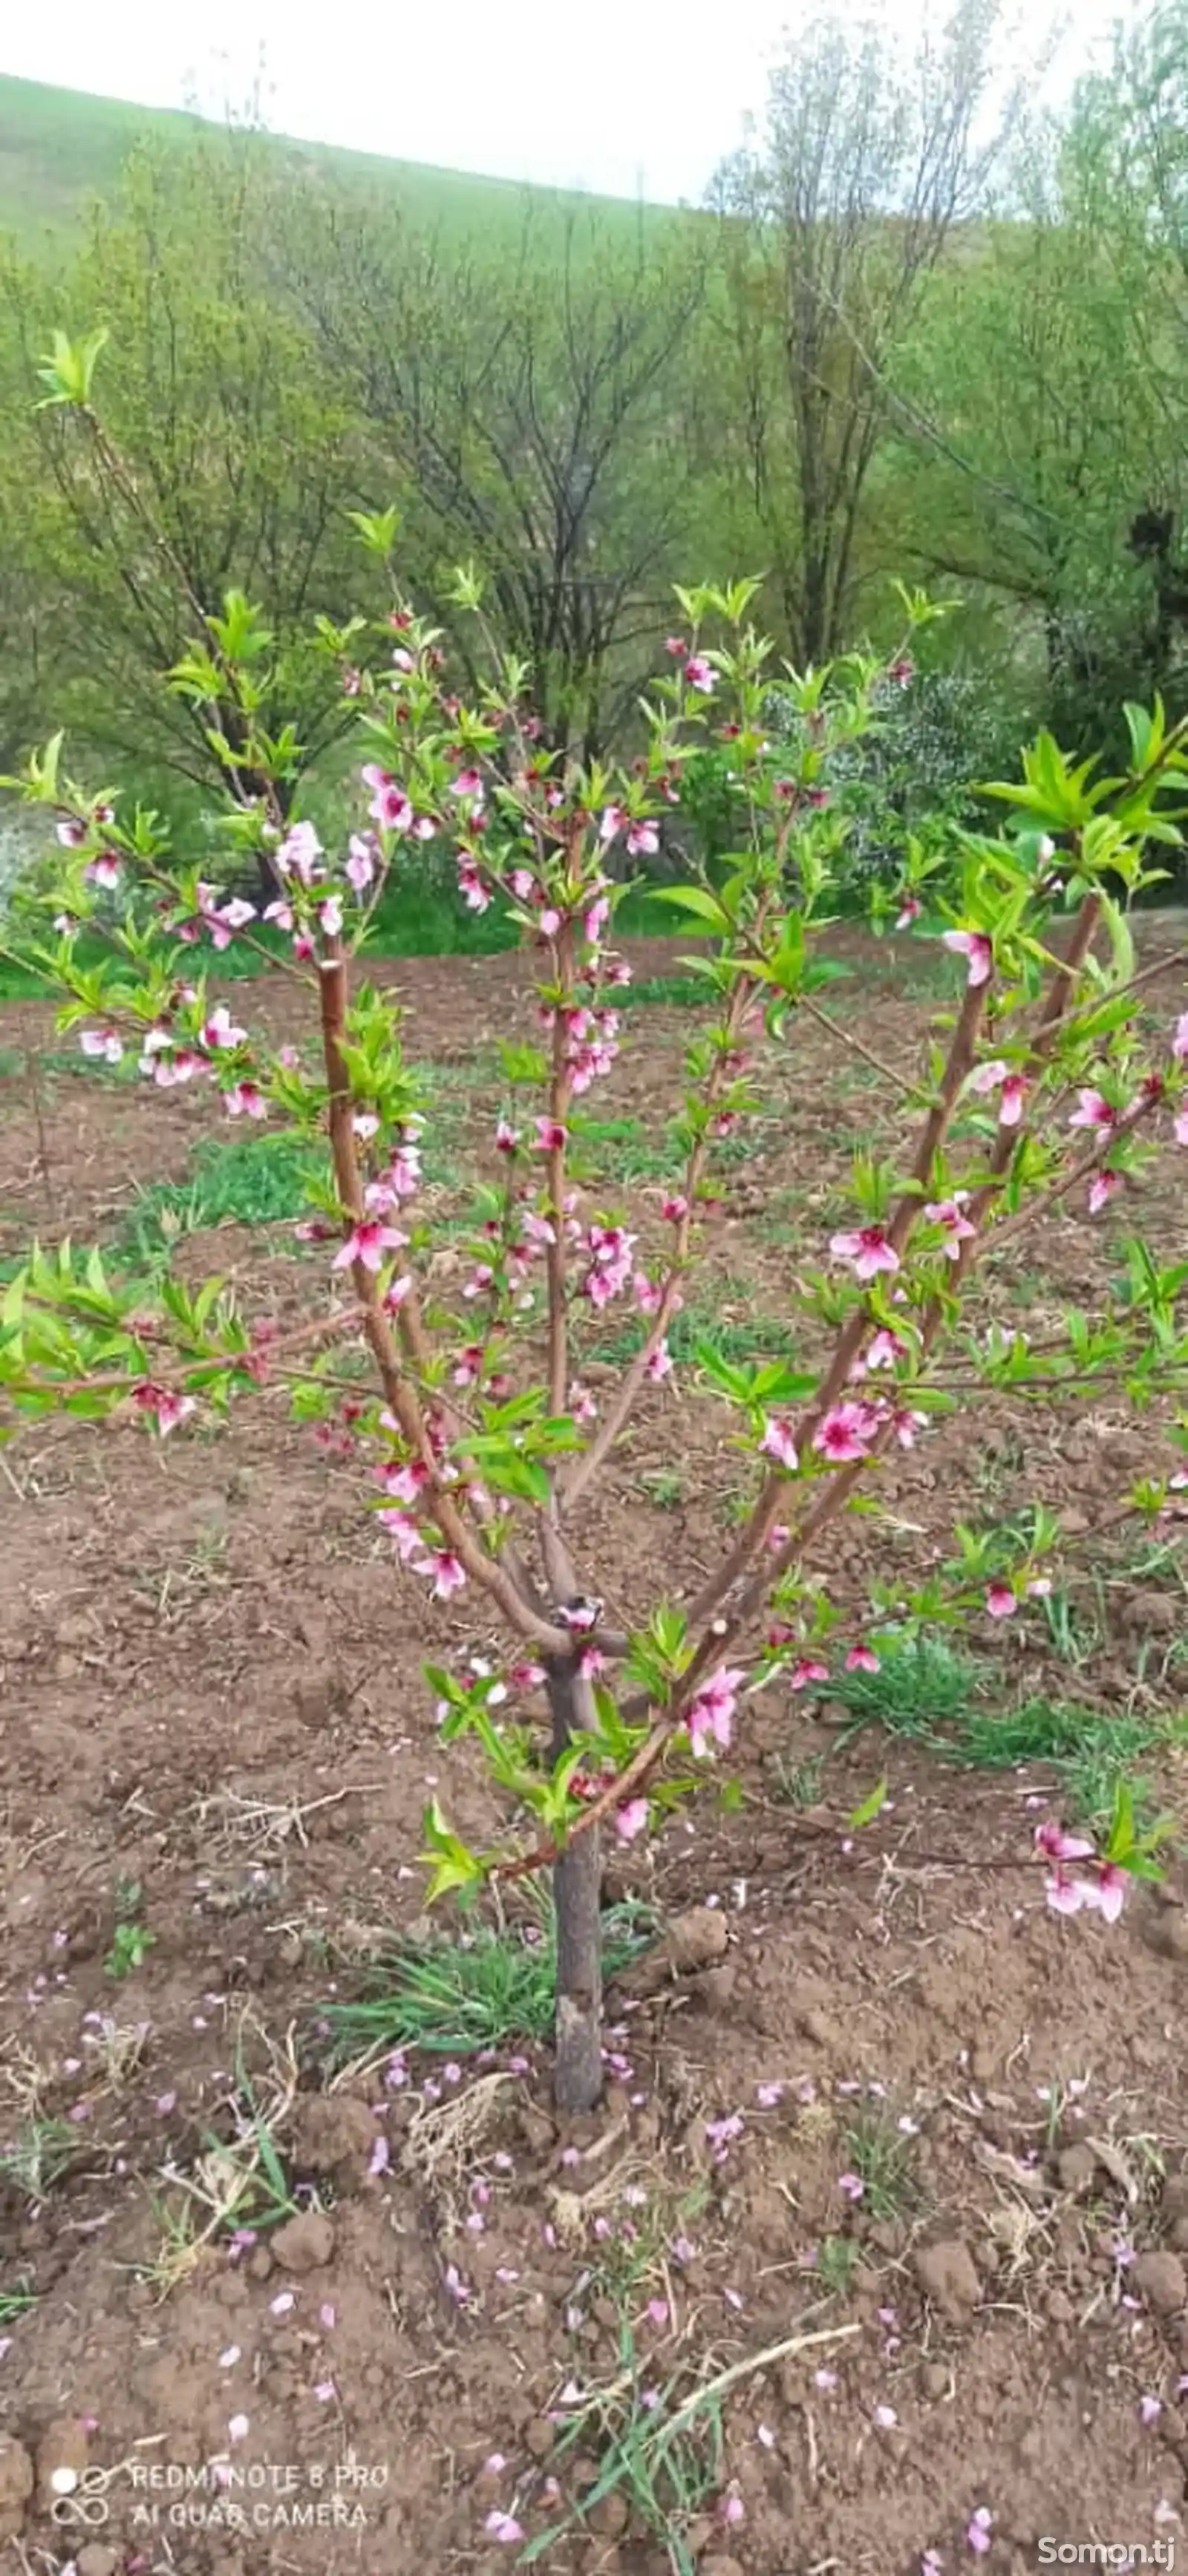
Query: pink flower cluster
x,y
710,1715
1102,1893
850,1429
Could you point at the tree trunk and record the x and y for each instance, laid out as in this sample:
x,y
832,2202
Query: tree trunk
x,y
577,1878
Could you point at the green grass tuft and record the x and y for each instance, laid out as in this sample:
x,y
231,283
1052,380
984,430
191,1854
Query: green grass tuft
x,y
251,1180
920,1685
676,992
490,1986
883,2158
930,1693
764,1337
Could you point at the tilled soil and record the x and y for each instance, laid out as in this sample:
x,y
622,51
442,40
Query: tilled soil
x,y
212,1694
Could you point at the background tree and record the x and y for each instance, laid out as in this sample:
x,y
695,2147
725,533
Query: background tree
x,y
238,456
526,412
831,227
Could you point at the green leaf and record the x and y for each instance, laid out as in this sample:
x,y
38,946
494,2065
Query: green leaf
x,y
695,900
870,1807
450,1861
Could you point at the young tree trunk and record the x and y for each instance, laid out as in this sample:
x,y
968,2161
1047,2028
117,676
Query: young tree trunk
x,y
577,1879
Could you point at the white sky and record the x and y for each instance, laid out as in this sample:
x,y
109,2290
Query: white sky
x,y
625,96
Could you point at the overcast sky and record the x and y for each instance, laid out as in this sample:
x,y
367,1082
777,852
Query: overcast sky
x,y
627,96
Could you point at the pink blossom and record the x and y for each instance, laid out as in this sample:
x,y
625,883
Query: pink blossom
x,y
168,1408
712,1711
1094,1111
221,1031
809,1669
506,1137
845,1433
551,1136
538,1229
404,1171
997,1076
469,782
643,841
676,645
72,832
403,1532
948,1213
1107,1893
244,1100
1102,1188
105,1044
367,1243
596,920
299,853
549,921
975,945
734,2510
978,2531
237,2427
330,916
779,1444
449,1575
1181,1125
862,1659
909,911
825,2379
699,674
885,2418
658,1364
103,872
1065,1895
631,1819
866,1249
885,1349
280,912
648,1293
475,894
674,1208
582,1405
905,1425
1150,2409
503,2526
522,884
1000,1601
1179,1044
852,2185
1052,1840
237,913
612,822
360,865
389,805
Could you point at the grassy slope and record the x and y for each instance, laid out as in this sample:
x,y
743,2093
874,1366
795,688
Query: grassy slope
x,y
59,148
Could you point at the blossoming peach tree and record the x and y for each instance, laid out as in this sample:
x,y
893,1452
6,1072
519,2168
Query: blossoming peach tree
x,y
466,1402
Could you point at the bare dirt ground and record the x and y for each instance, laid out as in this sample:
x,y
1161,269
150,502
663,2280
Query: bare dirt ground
x,y
210,1694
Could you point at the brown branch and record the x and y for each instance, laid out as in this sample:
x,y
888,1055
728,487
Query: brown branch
x,y
619,1411
399,1394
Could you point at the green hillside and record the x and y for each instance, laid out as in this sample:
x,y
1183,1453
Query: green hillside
x,y
59,148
